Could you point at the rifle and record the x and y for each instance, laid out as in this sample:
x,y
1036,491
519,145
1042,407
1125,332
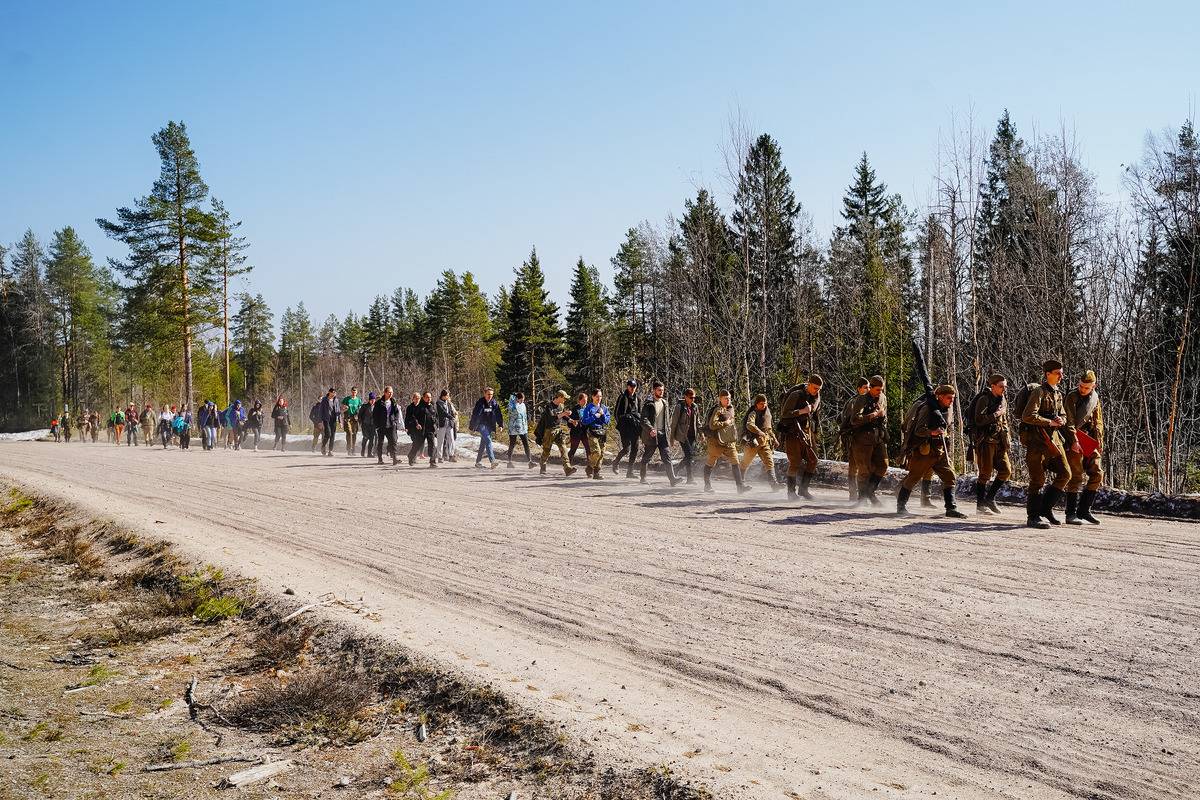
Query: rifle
x,y
931,401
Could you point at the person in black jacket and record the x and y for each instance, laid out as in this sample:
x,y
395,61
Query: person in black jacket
x,y
331,409
413,427
629,425
254,424
386,418
366,424
424,430
282,421
656,427
486,419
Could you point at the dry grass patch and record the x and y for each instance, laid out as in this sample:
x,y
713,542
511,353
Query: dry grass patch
x,y
318,703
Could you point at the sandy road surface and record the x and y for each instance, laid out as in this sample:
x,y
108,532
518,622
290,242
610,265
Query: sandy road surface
x,y
773,651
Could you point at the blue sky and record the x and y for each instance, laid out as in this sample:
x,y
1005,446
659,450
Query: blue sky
x,y
371,145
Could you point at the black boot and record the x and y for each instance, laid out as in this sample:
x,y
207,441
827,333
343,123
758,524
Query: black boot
x,y
902,496
1050,497
1072,509
737,478
981,506
708,487
951,508
992,491
872,486
1033,512
617,464
791,487
805,480
926,489
1085,506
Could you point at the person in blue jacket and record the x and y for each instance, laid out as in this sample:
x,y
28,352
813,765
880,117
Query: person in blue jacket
x,y
517,423
235,415
210,421
595,418
486,418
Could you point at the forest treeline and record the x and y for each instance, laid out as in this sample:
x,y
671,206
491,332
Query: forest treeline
x,y
1015,257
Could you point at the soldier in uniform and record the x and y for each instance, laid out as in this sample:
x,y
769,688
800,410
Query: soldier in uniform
x,y
927,451
1082,405
798,426
758,439
845,430
720,431
990,440
552,429
1043,425
868,439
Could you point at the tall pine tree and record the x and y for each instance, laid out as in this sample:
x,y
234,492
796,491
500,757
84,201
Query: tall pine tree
x,y
533,341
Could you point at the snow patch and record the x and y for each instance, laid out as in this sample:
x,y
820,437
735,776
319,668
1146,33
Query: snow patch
x,y
25,436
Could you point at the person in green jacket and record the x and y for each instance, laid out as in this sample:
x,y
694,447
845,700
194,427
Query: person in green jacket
x,y
351,403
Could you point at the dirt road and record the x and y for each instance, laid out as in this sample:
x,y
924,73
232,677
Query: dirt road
x,y
771,650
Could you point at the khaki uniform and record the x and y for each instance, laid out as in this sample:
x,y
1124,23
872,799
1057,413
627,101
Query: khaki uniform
x,y
1043,443
991,439
796,414
868,441
928,454
721,430
758,441
554,434
1083,414
847,448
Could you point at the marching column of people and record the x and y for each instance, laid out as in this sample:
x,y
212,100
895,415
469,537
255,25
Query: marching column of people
x,y
1062,436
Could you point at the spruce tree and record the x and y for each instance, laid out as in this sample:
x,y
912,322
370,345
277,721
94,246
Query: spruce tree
x,y
254,342
166,231
588,335
80,299
533,341
632,273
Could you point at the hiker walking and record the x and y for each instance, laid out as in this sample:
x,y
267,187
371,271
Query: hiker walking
x,y
366,426
552,431
282,420
517,425
386,419
486,418
629,426
654,421
447,427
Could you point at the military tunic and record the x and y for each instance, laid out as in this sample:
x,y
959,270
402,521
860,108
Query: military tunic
x,y
796,414
928,453
1043,443
868,441
1083,414
991,439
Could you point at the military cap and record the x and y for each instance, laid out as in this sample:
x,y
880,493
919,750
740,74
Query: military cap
x,y
1051,364
876,380
561,394
815,378
995,378
945,388
1088,377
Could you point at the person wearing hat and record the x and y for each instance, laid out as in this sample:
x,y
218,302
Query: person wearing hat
x,y
845,430
366,426
331,409
552,430
990,441
720,435
685,430
629,426
351,404
655,425
1082,405
1043,427
758,439
798,425
928,451
868,439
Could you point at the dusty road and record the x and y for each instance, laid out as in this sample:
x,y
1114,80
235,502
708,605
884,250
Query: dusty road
x,y
772,651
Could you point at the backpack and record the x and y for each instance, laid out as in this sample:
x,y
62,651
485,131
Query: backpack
x,y
1022,400
908,425
969,415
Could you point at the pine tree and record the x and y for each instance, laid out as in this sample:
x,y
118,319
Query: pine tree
x,y
533,341
297,344
633,290
166,231
588,335
226,259
30,308
254,348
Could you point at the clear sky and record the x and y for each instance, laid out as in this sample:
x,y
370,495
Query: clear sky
x,y
371,145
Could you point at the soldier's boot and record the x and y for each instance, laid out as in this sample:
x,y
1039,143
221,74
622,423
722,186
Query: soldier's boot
x,y
617,464
1085,506
737,478
542,470
852,489
629,469
862,491
992,491
805,480
951,507
773,482
1033,512
569,470
872,486
708,487
1050,497
902,496
791,487
1073,509
380,459
926,489
641,473
981,506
